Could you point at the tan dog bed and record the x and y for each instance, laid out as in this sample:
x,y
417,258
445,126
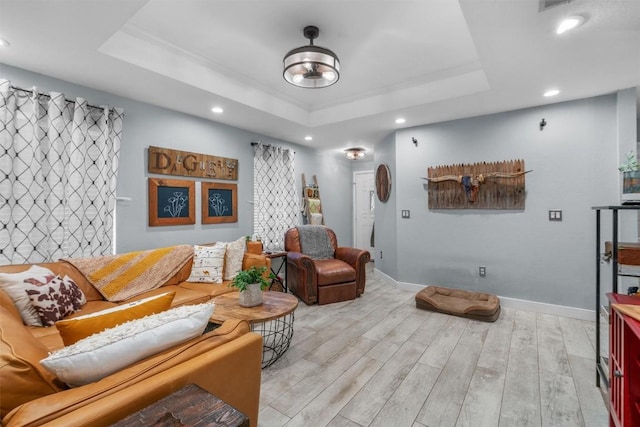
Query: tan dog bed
x,y
472,305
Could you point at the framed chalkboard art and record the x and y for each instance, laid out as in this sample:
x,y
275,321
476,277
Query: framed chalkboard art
x,y
171,202
219,203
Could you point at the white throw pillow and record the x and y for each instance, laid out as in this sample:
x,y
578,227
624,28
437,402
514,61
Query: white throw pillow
x,y
15,285
208,263
233,258
102,354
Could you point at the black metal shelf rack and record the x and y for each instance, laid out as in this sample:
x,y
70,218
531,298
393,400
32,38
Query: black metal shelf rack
x,y
601,374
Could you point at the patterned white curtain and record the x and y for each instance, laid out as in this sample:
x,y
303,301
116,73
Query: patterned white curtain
x,y
275,207
58,169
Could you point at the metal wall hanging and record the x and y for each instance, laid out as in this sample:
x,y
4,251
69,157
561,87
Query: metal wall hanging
x,y
495,185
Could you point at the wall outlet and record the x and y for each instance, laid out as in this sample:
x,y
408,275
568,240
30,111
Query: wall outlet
x,y
555,214
482,271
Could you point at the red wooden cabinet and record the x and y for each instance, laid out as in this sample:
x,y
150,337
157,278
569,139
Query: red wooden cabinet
x,y
624,365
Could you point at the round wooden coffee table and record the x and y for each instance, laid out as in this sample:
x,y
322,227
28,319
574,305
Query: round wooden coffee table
x,y
273,319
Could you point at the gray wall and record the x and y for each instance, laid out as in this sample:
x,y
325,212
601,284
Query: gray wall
x,y
574,161
146,125
333,172
365,164
385,227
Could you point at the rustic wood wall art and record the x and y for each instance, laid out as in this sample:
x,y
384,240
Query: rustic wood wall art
x,y
383,183
219,203
171,202
495,185
184,163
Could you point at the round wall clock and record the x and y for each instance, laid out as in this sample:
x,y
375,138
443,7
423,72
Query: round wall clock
x,y
383,183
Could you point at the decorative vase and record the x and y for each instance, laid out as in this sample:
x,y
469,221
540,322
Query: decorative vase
x,y
252,296
631,182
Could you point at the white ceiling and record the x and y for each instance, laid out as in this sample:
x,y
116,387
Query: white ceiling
x,y
425,60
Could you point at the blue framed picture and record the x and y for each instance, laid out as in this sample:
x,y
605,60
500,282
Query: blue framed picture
x,y
219,202
171,202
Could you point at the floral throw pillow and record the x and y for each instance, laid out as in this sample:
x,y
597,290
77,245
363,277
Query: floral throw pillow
x,y
55,299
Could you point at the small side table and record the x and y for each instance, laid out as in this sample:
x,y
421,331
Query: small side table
x,y
273,319
274,255
189,406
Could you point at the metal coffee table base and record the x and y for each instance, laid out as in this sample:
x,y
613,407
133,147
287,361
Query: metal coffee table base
x,y
276,337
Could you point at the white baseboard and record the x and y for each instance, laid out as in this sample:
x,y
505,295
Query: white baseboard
x,y
542,307
519,304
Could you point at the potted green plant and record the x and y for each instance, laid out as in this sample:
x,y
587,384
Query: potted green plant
x,y
630,169
250,283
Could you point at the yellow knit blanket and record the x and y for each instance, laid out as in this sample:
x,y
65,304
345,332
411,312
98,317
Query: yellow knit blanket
x,y
119,277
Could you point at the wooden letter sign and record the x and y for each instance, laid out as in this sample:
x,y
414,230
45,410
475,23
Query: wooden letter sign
x,y
183,163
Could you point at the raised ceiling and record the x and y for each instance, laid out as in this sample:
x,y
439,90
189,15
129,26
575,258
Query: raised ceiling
x,y
424,60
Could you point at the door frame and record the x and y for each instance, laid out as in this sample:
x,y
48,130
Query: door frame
x,y
354,210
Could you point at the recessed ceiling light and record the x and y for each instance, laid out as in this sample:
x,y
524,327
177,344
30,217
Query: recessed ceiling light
x,y
400,121
217,110
569,24
552,92
4,43
308,138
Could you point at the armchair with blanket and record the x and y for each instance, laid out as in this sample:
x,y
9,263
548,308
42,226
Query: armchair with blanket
x,y
320,271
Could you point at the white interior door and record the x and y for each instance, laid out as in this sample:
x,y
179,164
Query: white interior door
x,y
363,208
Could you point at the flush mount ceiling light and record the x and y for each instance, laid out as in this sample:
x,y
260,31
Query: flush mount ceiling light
x,y
551,92
355,153
311,66
569,24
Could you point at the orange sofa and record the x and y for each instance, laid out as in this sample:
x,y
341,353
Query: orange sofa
x,y
226,362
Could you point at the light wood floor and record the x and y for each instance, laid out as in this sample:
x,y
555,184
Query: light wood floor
x,y
379,361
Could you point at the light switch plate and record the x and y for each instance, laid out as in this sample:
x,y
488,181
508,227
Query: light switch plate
x,y
555,214
406,213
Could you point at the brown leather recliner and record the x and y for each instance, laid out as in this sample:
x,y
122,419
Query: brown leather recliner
x,y
325,281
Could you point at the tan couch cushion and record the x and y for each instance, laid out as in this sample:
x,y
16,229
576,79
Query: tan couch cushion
x,y
50,336
182,296
181,275
211,290
7,303
77,328
22,377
